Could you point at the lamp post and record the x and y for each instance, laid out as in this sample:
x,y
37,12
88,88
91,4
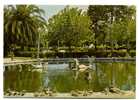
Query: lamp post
x,y
38,47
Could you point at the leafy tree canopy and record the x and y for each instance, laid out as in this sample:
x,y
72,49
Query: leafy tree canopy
x,y
21,24
70,27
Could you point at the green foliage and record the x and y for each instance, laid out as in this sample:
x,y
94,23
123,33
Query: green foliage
x,y
101,52
70,27
131,29
133,53
113,23
44,37
73,29
21,24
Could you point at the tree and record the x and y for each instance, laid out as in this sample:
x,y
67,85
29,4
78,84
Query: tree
x,y
110,22
70,27
131,28
44,37
21,24
124,30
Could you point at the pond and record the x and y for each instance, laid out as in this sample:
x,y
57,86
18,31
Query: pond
x,y
61,78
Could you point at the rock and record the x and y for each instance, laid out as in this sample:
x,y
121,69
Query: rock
x,y
106,91
8,92
18,93
13,93
36,94
42,94
79,92
48,92
90,92
85,93
22,93
74,93
128,93
113,89
54,91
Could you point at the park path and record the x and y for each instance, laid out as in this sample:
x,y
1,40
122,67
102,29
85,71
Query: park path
x,y
18,59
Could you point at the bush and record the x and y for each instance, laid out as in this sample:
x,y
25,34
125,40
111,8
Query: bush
x,y
119,53
34,54
132,53
25,54
91,52
106,53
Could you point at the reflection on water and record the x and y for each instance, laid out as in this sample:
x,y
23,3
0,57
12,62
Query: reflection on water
x,y
22,78
62,79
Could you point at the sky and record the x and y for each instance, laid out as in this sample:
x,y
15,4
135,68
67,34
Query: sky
x,y
51,10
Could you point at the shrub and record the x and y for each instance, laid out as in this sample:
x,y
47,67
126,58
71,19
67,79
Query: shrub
x,y
132,53
91,52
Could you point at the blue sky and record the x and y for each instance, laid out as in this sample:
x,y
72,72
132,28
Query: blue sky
x,y
51,10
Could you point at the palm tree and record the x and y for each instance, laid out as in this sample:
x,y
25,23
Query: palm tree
x,y
21,24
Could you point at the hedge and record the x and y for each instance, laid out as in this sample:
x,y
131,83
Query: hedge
x,y
91,52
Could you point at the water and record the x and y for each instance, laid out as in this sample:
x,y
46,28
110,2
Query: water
x,y
19,79
60,78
